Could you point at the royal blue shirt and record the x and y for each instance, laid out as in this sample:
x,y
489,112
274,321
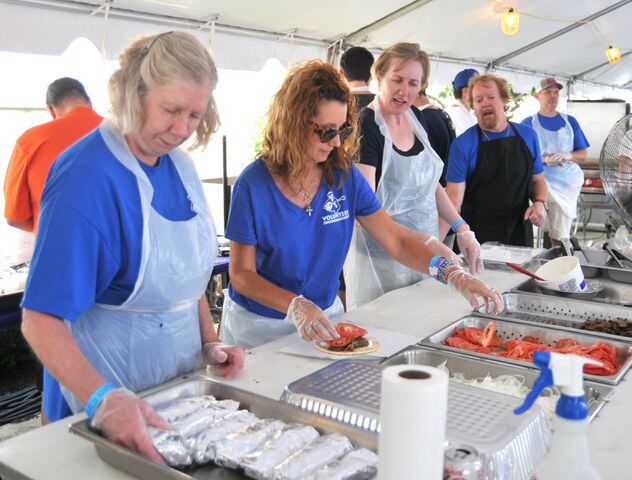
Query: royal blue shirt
x,y
464,150
88,245
295,251
553,124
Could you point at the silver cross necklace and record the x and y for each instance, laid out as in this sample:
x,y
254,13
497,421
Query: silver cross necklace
x,y
308,196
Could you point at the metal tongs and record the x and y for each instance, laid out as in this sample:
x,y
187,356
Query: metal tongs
x,y
567,248
617,256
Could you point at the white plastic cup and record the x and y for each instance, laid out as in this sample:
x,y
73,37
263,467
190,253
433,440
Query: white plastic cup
x,y
563,274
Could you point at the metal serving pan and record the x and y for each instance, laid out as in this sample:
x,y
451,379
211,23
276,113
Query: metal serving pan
x,y
522,256
509,445
596,394
199,384
561,313
595,264
613,293
547,335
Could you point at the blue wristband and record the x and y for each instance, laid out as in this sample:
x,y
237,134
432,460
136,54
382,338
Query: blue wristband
x,y
95,399
456,224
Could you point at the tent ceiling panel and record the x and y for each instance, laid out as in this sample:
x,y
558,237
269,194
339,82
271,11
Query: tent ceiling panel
x,y
325,19
471,30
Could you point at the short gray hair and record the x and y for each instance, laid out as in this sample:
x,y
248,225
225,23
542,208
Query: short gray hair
x,y
154,61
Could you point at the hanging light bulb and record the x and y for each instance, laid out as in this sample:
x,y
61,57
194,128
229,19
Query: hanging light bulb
x,y
613,54
510,22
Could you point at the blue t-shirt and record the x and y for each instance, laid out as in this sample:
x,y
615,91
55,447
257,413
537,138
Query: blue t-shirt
x,y
88,245
464,150
297,252
553,124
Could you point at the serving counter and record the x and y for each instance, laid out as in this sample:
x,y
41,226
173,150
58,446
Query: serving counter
x,y
52,452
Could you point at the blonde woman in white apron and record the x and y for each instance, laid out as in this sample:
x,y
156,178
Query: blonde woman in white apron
x,y
128,237
292,218
408,185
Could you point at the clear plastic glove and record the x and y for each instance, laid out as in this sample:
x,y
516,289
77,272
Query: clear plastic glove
x,y
472,289
536,214
471,250
226,360
311,322
440,249
559,158
124,418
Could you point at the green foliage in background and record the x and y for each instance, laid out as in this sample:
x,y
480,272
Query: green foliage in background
x,y
514,103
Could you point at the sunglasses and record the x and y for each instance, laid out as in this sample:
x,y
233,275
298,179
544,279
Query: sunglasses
x,y
326,135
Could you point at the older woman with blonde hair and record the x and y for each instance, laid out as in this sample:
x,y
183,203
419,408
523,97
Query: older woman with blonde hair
x,y
292,215
402,168
115,300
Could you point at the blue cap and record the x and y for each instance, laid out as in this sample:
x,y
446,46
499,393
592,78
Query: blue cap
x,y
463,77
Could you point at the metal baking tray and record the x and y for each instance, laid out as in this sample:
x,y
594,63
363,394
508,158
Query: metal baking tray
x,y
596,394
561,313
199,384
529,254
613,293
547,335
510,445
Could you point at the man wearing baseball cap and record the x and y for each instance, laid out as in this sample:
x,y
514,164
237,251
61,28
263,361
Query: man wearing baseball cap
x,y
562,143
460,112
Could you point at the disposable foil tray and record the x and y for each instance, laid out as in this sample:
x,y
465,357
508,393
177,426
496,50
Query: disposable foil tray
x,y
495,255
560,313
613,293
595,264
199,384
596,394
507,330
510,445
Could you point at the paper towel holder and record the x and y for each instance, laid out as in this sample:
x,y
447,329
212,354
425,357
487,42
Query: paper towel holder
x,y
414,375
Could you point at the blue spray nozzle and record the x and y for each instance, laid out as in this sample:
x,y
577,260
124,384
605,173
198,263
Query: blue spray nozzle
x,y
542,359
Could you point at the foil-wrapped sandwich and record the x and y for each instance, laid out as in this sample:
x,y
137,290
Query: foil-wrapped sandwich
x,y
229,452
206,441
356,465
171,446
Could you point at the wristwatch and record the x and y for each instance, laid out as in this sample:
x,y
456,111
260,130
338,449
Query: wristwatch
x,y
543,202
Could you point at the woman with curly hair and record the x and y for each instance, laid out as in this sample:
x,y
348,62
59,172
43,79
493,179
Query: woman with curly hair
x,y
292,216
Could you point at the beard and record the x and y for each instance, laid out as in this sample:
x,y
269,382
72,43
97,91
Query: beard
x,y
489,122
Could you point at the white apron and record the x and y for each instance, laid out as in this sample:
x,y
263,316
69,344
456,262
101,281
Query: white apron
x,y
407,192
155,334
564,181
249,330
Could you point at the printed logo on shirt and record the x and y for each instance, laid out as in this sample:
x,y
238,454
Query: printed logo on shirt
x,y
333,206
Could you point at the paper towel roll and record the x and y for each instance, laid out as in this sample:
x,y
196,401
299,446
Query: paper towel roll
x,y
412,420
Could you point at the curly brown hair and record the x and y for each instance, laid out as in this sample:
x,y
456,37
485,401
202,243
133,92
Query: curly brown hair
x,y
286,135
503,87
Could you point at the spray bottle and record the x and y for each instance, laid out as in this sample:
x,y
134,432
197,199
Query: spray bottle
x,y
568,458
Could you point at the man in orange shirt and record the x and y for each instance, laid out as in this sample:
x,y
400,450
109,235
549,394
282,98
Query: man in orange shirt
x,y
37,148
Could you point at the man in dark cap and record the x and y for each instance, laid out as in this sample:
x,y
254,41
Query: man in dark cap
x,y
356,65
37,148
460,112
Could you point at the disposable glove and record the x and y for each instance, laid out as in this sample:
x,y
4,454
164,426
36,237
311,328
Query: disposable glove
x,y
536,214
311,322
559,158
226,360
472,289
124,418
439,249
471,250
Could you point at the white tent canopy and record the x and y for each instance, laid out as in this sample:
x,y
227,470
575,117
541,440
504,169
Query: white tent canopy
x,y
566,38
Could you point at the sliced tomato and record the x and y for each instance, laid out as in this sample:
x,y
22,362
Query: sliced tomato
x,y
350,331
339,342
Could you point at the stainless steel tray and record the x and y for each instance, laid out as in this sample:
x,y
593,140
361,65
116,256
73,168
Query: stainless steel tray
x,y
510,445
596,394
595,264
198,384
531,255
613,293
547,335
561,313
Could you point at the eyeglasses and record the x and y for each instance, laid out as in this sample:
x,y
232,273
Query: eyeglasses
x,y
326,135
154,40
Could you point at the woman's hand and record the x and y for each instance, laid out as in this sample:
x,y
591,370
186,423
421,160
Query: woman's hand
x,y
124,418
311,322
473,289
471,250
227,360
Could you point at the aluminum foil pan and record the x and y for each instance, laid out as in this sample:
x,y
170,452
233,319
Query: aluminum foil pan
x,y
559,313
510,445
597,395
198,384
547,335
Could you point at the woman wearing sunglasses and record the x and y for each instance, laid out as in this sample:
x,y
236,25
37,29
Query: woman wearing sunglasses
x,y
292,215
402,168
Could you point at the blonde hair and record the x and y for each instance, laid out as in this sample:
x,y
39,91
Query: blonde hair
x,y
501,83
289,123
154,61
404,52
